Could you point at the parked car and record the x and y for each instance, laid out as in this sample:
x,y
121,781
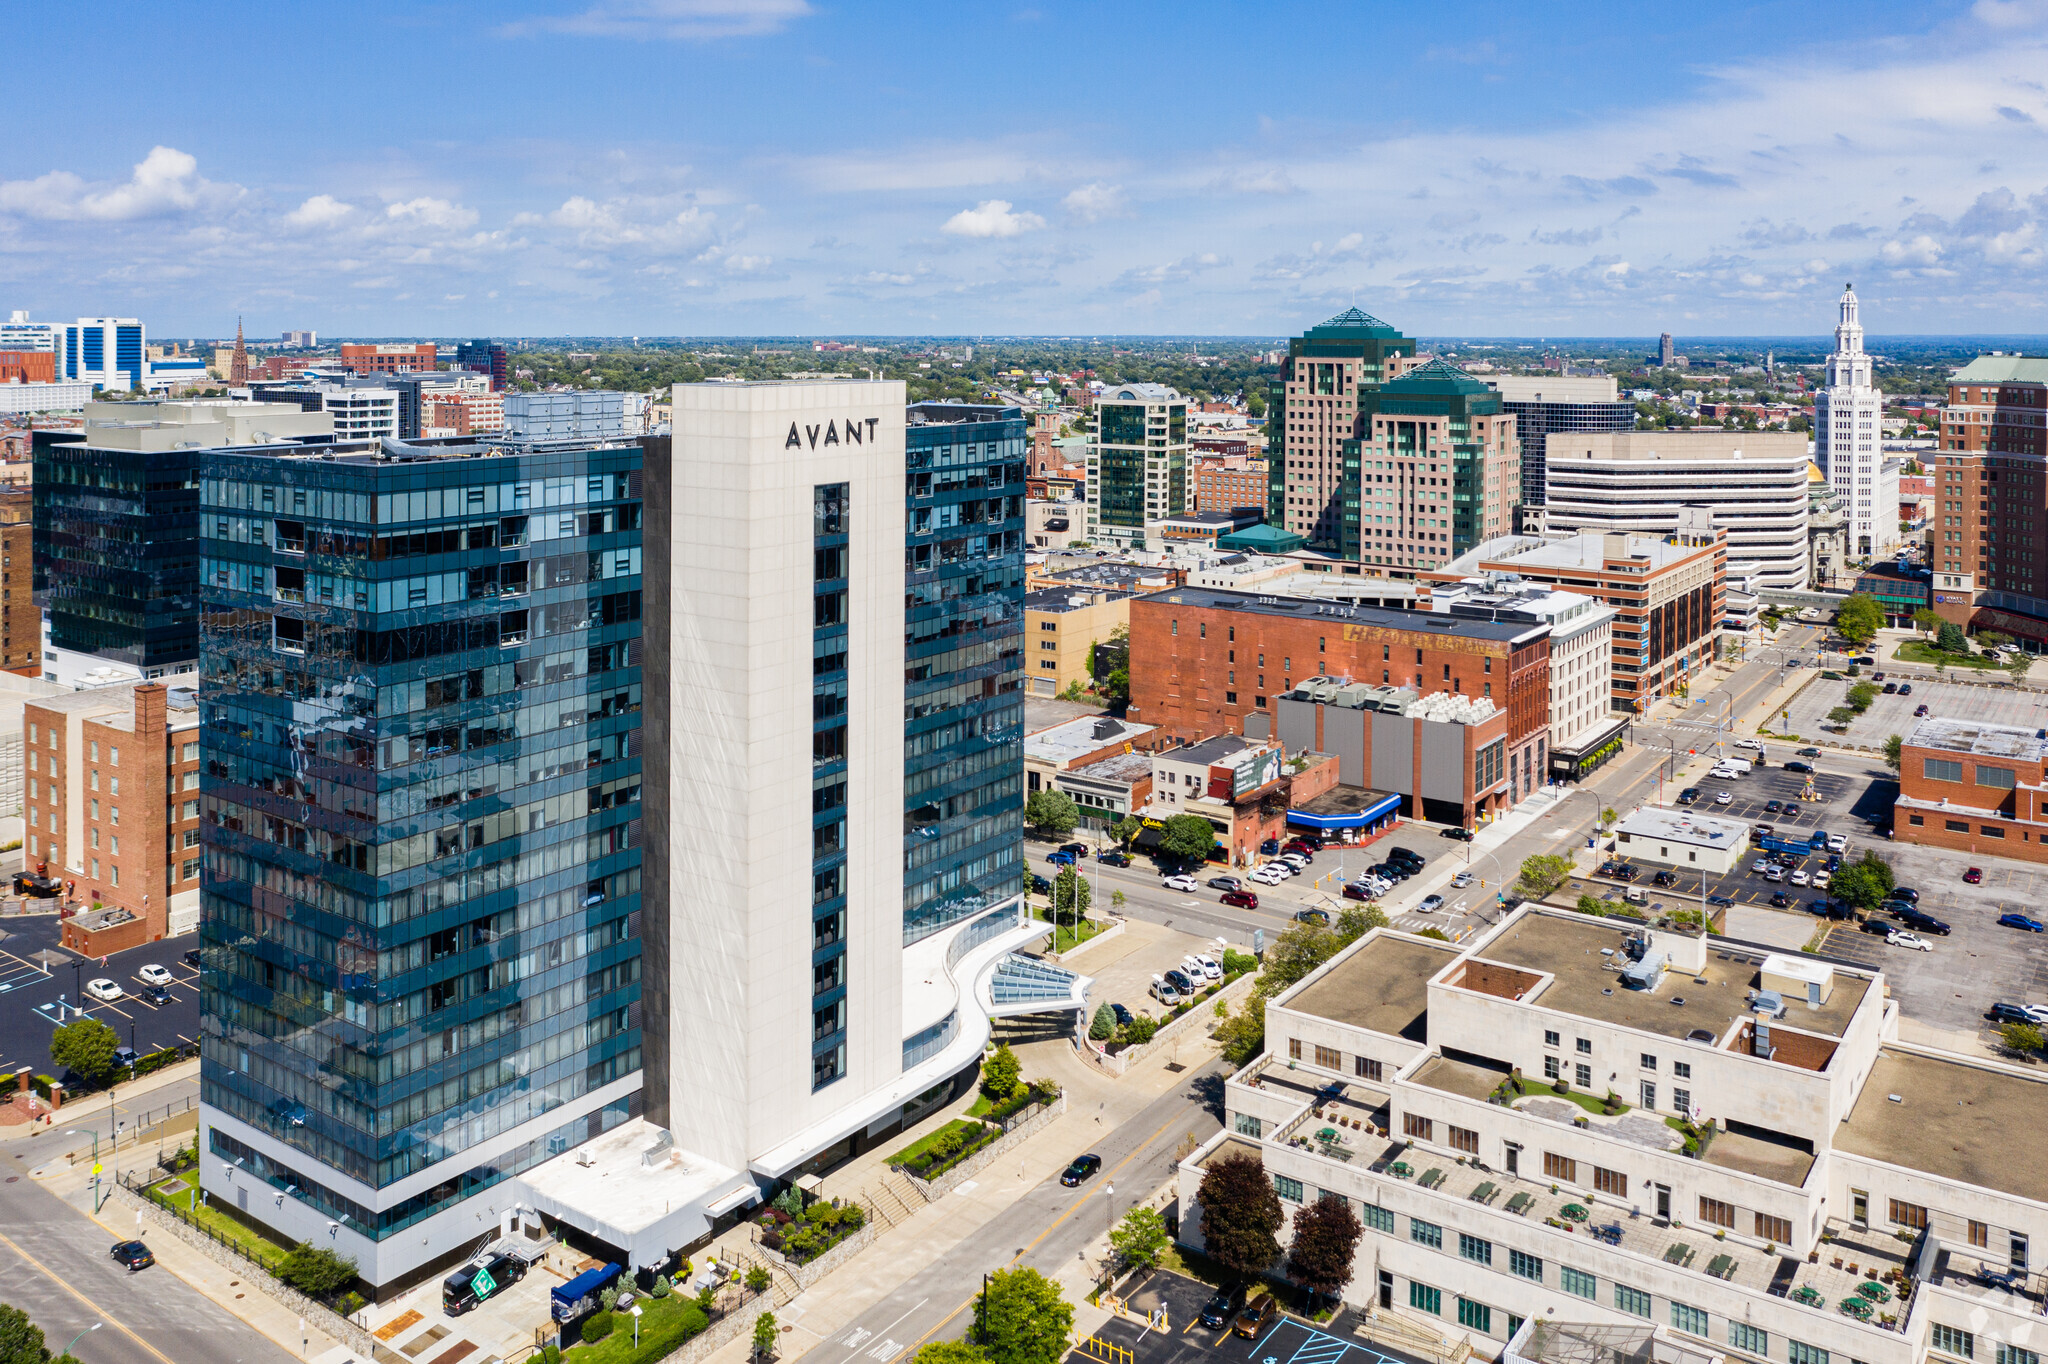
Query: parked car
x,y
1906,893
157,995
1924,923
1413,859
1060,859
1779,899
1210,968
103,989
1912,942
1920,711
1821,879
1240,899
1891,688
1166,994
1723,798
1838,843
1905,688
1081,1169
1266,876
2012,1013
1123,1015
1772,807
1459,832
1312,916
1662,878
1282,866
1298,861
1774,873
132,1254
1257,1315
1799,876
1269,847
1181,883
1354,891
1219,1310
2019,921
1225,883
1974,876
1113,858
1180,980
1430,904
1720,900
1809,753
1688,795
1039,885
1077,849
1799,767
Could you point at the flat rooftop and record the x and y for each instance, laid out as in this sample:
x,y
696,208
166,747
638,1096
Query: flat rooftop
x,y
1060,599
1585,553
1954,1120
1588,984
1416,622
1211,750
1064,743
1682,826
1124,767
1979,738
1382,985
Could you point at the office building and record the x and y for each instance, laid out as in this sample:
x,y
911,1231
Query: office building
x,y
485,357
1974,787
27,367
1848,439
388,358
1224,483
441,403
1667,354
1062,627
1987,536
1543,403
17,333
1753,484
423,855
1206,662
106,352
1685,839
1434,470
1312,412
1137,463
117,529
1617,1132
65,395
107,764
21,620
582,414
304,340
1668,594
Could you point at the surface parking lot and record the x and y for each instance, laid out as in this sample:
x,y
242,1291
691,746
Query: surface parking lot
x,y
1888,715
34,1000
1286,1340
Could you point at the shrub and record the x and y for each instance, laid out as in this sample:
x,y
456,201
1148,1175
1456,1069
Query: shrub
x,y
597,1326
1141,1029
608,1298
1000,1073
1236,963
758,1279
316,1272
790,1200
662,1287
772,1240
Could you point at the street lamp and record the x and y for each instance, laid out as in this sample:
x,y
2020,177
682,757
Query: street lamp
x,y
82,1335
94,1134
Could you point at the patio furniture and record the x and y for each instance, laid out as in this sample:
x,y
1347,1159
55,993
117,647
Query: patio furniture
x,y
1519,1203
1857,1307
1721,1266
1573,1212
1327,1134
1400,1169
1484,1192
1611,1233
1808,1295
1433,1178
1876,1292
1677,1253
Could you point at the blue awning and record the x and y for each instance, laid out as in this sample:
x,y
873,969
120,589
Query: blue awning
x,y
1377,811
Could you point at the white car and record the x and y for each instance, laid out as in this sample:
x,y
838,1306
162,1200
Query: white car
x,y
1799,876
1838,843
102,988
1284,868
1723,798
1179,883
1912,941
1266,876
1294,860
1461,880
1207,967
1820,880
154,975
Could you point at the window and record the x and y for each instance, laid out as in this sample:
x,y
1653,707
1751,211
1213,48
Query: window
x,y
1550,1068
1585,1046
1799,1352
1633,1301
1980,1235
1425,1233
189,869
1690,1320
1999,777
1550,1039
1578,1283
1478,1251
1953,1341
1376,1218
2013,1354
1294,1048
1776,1230
1562,1168
1525,1266
1941,769
1681,1070
1425,1299
1249,1126
1329,1058
1750,1339
1610,1182
1289,1189
1583,1074
1957,826
1419,1127
1716,1213
1462,1139
1365,1068
1908,1214
1476,1315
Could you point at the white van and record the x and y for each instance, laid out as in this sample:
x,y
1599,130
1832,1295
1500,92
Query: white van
x,y
1756,744
1739,766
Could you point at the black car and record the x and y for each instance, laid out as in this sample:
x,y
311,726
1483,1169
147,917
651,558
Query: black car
x,y
1312,916
1122,1015
1217,1312
1688,795
1077,849
1923,923
1905,688
1906,893
1039,885
2000,1013
1113,858
1809,753
193,959
1459,832
1403,855
1721,900
1665,878
1779,899
1891,689
468,1287
1799,767
133,1254
1269,847
1878,928
1081,1169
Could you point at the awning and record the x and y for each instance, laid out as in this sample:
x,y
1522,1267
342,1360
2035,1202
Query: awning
x,y
1379,809
1147,838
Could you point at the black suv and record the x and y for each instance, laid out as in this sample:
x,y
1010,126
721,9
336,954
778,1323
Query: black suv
x,y
1403,855
1923,923
1217,1312
1688,795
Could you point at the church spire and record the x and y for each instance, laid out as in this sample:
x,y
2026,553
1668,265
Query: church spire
x,y
238,368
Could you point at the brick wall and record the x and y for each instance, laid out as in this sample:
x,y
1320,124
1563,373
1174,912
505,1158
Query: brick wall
x,y
21,624
1979,818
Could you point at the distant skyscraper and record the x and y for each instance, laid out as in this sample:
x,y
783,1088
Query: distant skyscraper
x,y
1848,439
1666,352
1314,406
485,357
1137,462
1542,404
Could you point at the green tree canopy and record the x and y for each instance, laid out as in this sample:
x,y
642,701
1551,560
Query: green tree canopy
x,y
1949,639
1024,1319
1128,828
1241,1215
1864,883
1860,618
1892,749
1189,837
316,1271
1001,1073
86,1046
21,1340
950,1352
1925,620
1051,812
1299,949
1140,1239
764,1335
1356,919
1103,1026
1071,895
1326,1236
1543,873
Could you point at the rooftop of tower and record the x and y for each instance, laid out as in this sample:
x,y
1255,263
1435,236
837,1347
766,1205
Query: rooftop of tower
x,y
1352,323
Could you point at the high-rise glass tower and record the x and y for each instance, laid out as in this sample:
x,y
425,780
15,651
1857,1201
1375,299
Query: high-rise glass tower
x,y
1137,462
1312,410
421,712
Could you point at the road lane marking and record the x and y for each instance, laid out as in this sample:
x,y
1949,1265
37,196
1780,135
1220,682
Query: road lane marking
x,y
99,1311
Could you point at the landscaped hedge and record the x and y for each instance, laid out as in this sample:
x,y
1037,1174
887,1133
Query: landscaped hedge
x,y
953,1145
1040,1091
809,1234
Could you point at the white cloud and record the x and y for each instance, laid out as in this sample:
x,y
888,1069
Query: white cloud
x,y
322,210
167,181
991,218
688,20
1092,203
430,212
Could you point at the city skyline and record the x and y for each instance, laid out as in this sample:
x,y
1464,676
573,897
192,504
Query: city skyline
x,y
924,171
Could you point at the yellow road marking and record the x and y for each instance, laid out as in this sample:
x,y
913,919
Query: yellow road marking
x,y
44,1270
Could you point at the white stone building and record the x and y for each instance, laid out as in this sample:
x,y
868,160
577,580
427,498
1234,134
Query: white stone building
x,y
1848,439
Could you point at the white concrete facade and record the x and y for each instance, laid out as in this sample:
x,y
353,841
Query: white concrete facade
x,y
1848,438
66,395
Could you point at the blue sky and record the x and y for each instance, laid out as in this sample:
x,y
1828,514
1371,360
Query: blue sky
x,y
610,167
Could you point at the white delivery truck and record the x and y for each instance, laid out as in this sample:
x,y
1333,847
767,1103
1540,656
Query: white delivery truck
x,y
1739,767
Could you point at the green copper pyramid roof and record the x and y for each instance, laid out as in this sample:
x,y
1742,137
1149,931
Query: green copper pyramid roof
x,y
1261,539
1352,323
1436,376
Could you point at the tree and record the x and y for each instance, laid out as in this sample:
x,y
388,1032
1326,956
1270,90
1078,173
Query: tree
x,y
1860,618
1001,1073
1865,882
2023,1038
1861,694
764,1335
1925,621
1891,751
1589,905
1128,828
85,1046
1543,873
1326,1236
950,1352
1299,949
1241,1215
315,1271
1024,1318
2018,666
1992,639
1607,816
1949,639
1070,896
1103,1026
1356,919
1140,1239
21,1340
1116,687
1052,812
1188,837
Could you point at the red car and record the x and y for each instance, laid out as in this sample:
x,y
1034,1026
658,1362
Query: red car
x,y
1973,876
1243,899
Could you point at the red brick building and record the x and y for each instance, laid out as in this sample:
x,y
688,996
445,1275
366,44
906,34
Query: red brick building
x,y
1987,527
28,367
1207,662
21,624
389,359
1974,788
1226,482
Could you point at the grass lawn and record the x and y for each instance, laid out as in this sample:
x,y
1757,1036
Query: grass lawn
x,y
1592,1103
1919,651
1070,936
665,1323
251,1242
924,1143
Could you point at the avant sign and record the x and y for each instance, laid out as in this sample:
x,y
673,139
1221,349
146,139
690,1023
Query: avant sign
x,y
831,429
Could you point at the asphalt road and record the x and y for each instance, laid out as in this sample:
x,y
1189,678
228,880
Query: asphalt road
x,y
1046,1228
54,1266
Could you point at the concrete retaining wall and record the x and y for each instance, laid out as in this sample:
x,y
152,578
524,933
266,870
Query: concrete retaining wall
x,y
806,1275
935,1189
1202,1015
